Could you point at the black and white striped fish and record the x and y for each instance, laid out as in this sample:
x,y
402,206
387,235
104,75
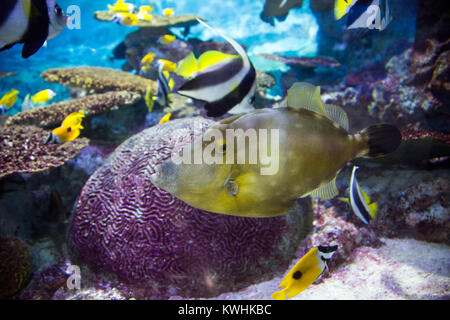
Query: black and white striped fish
x,y
30,22
360,201
163,90
228,86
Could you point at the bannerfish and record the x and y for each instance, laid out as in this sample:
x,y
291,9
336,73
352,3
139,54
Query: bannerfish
x,y
122,6
43,96
364,14
360,201
166,118
228,86
168,12
307,144
190,66
163,87
307,270
278,9
125,19
8,100
166,39
69,129
31,22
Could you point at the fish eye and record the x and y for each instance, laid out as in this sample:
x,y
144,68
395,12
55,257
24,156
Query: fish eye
x,y
58,10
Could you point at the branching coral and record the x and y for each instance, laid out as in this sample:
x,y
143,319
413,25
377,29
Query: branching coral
x,y
54,114
23,150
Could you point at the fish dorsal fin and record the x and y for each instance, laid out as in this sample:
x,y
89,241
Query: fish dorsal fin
x,y
187,66
307,96
327,191
337,114
212,57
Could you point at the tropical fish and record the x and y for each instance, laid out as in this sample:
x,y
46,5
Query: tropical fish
x,y
166,39
144,13
189,66
27,104
166,118
278,9
163,88
43,96
168,65
307,270
30,22
363,14
69,129
145,67
307,145
168,12
125,19
8,100
228,86
360,201
146,9
149,102
148,58
122,6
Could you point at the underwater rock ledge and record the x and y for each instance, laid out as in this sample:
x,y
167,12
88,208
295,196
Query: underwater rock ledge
x,y
157,244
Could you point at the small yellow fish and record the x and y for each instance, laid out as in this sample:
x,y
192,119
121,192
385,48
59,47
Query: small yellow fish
x,y
121,6
125,19
145,67
9,98
165,119
166,39
341,8
305,272
148,58
69,129
168,12
168,65
43,96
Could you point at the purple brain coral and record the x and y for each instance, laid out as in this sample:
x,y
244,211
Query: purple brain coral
x,y
125,226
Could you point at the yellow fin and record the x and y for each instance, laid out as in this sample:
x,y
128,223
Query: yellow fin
x,y
341,8
344,199
327,191
187,66
212,57
373,209
337,114
307,96
279,295
171,84
149,102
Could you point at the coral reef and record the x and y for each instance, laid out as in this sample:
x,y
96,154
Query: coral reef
x,y
92,105
23,150
413,93
15,266
160,246
99,80
157,23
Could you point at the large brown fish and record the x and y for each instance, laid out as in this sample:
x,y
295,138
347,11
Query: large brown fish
x,y
306,146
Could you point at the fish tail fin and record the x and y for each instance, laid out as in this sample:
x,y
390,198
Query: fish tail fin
x,y
380,140
280,295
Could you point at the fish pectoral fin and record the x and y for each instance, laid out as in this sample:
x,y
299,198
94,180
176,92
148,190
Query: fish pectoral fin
x,y
307,96
327,191
337,114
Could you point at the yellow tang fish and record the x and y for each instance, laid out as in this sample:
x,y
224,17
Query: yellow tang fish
x,y
148,58
166,39
9,98
121,6
305,272
165,119
69,129
125,19
43,96
168,65
272,157
168,12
